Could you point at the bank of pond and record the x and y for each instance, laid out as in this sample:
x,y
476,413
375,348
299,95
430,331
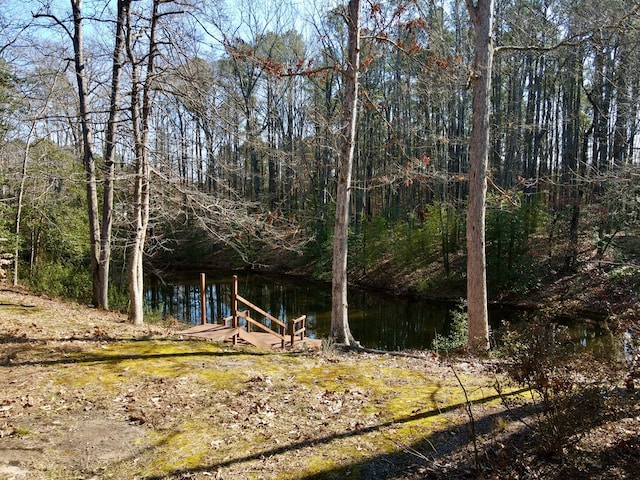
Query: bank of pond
x,y
377,320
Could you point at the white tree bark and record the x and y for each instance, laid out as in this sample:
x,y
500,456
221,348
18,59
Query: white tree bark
x,y
140,116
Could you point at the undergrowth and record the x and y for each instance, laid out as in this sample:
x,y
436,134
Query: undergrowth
x,y
568,387
458,334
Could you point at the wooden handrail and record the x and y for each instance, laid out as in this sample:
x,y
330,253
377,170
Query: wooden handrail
x,y
260,311
203,299
234,306
301,331
264,327
229,320
292,324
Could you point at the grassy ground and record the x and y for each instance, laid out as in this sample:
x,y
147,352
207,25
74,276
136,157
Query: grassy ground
x,y
85,395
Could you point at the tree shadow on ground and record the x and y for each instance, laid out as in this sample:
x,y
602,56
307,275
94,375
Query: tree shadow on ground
x,y
624,458
518,453
384,466
514,451
19,344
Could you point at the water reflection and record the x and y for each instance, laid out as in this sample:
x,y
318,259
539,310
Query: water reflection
x,y
376,321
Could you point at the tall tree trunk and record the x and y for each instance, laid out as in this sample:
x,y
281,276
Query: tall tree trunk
x,y
340,330
272,166
109,156
87,148
18,220
481,12
140,116
624,110
99,239
574,154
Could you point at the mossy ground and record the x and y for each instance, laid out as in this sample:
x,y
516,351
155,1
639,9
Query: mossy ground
x,y
85,395
88,395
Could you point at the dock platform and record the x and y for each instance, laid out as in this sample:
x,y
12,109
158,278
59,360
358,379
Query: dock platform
x,y
225,334
241,329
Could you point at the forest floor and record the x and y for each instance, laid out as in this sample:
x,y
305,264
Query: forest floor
x,y
85,395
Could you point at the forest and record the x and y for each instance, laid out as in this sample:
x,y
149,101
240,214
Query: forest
x,y
160,135
485,150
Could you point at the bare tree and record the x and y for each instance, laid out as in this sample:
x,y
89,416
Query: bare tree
x,y
109,155
88,159
340,330
481,12
141,92
100,237
33,123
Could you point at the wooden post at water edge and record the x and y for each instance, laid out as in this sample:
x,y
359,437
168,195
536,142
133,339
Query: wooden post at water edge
x,y
234,305
260,335
203,299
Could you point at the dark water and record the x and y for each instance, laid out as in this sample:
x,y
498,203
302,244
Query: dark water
x,y
376,320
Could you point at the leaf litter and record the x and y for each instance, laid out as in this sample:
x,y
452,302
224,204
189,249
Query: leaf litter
x,y
84,394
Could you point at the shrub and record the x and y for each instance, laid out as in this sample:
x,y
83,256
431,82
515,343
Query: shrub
x,y
458,331
58,280
566,383
510,224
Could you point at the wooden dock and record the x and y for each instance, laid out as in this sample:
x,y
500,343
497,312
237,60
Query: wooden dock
x,y
226,334
241,329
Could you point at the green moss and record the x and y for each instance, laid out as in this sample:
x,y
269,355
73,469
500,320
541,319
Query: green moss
x,y
388,403
332,461
159,348
181,450
148,360
409,401
20,432
14,308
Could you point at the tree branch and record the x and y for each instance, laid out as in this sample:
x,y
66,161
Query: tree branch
x,y
55,19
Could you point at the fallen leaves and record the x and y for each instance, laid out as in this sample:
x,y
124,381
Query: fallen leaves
x,y
134,408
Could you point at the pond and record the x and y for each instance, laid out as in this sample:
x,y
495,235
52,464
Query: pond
x,y
376,320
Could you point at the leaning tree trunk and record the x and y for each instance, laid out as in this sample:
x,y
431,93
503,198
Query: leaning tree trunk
x,y
18,220
482,18
23,180
339,308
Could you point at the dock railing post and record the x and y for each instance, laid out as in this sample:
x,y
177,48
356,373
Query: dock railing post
x,y
234,306
292,328
203,299
282,335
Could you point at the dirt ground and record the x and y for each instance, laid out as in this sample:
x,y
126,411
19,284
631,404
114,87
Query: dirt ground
x,y
84,395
